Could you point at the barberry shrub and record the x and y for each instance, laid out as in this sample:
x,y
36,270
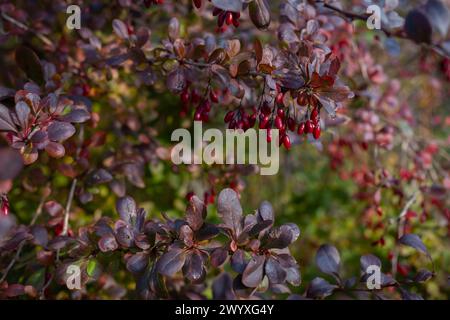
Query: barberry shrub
x,y
85,123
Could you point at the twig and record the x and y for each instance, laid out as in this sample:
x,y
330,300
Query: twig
x,y
68,206
437,48
22,244
400,228
19,24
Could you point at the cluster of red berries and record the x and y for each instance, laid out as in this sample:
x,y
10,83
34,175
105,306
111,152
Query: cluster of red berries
x,y
312,125
239,119
148,3
225,19
204,103
276,117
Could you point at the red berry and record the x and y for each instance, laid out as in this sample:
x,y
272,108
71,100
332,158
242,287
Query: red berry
x,y
185,96
198,115
301,128
279,98
269,135
280,113
229,18
317,132
314,115
229,116
213,96
278,123
263,122
309,127
291,124
252,120
4,208
287,142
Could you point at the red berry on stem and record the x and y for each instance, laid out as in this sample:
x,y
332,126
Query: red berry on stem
x,y
314,115
279,98
185,96
263,122
198,115
269,135
213,96
317,132
229,116
291,124
309,127
287,142
229,18
301,128
278,123
280,113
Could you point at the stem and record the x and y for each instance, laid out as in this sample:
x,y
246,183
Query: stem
x,y
68,206
19,24
37,213
401,225
437,48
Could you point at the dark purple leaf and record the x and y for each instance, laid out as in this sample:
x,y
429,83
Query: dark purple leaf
x,y
219,256
126,207
320,288
282,236
120,28
418,26
274,271
60,242
107,243
265,211
415,242
206,232
77,116
125,237
99,176
22,112
176,80
193,268
11,163
16,240
6,122
174,28
40,235
439,16
369,260
328,260
171,262
137,262
254,272
223,287
187,235
238,262
423,276
230,210
195,212
291,80
60,131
